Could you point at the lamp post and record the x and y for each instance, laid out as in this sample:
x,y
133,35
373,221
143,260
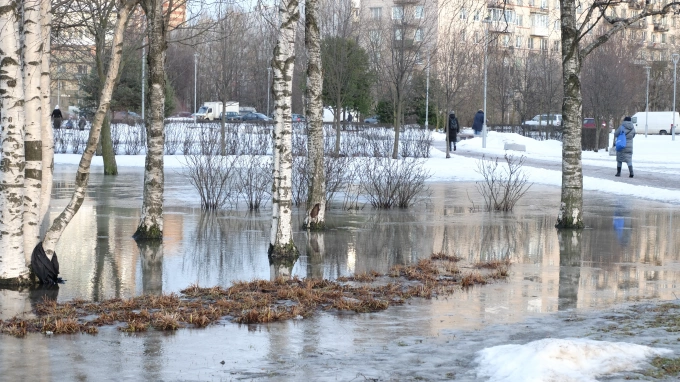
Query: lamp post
x,y
195,77
269,89
427,92
486,48
675,58
647,101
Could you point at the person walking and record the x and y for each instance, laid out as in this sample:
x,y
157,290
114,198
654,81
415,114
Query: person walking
x,y
454,128
625,154
57,117
82,122
478,122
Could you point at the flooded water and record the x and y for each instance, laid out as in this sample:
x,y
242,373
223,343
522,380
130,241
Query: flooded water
x,y
628,252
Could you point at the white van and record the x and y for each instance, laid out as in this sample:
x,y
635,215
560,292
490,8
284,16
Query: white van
x,y
545,120
659,122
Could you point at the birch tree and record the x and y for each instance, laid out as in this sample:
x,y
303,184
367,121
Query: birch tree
x,y
574,33
316,202
281,243
13,265
151,222
82,177
32,51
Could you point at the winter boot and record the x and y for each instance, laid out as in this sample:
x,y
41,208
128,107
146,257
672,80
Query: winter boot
x,y
618,171
454,147
631,171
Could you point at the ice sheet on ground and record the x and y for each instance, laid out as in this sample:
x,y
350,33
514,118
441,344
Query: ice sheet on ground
x,y
569,359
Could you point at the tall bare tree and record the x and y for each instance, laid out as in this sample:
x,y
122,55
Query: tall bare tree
x,y
281,243
316,197
574,33
151,222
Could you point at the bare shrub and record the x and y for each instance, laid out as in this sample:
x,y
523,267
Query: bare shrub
x,y
115,137
379,142
502,186
392,182
173,137
300,180
337,170
415,143
255,179
60,141
190,134
212,174
134,139
78,141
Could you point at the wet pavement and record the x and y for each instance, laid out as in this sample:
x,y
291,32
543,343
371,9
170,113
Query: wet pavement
x,y
560,285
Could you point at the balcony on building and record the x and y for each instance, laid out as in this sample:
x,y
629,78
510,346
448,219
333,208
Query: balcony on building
x,y
501,27
659,27
540,31
657,45
642,24
502,4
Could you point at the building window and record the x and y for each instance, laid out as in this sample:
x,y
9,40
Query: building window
x,y
397,13
623,13
506,40
556,26
419,12
418,59
541,20
644,35
530,43
418,36
477,37
556,45
544,44
653,37
519,20
520,3
544,4
374,37
518,41
376,13
463,14
398,34
475,17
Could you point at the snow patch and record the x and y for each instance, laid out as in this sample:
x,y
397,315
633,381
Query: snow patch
x,y
572,359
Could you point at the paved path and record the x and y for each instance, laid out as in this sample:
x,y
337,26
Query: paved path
x,y
643,177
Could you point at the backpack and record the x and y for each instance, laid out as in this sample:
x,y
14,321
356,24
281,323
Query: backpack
x,y
621,141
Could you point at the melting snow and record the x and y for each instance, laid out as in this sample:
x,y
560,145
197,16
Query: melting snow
x,y
548,360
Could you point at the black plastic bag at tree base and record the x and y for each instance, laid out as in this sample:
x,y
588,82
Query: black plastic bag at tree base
x,y
45,269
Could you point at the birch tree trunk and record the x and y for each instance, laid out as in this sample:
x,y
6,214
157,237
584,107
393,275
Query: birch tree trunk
x,y
32,51
12,261
316,202
83,175
45,111
151,222
571,206
281,243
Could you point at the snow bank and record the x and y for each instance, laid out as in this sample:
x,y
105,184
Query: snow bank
x,y
578,360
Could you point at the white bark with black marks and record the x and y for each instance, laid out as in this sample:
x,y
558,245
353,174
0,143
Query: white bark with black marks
x,y
59,224
151,222
281,238
47,135
32,67
316,202
12,260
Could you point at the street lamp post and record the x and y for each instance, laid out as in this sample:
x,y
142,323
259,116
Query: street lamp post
x,y
427,92
647,101
269,89
486,48
675,58
195,80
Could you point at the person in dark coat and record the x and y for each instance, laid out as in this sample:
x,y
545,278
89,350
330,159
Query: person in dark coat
x,y
625,155
478,122
57,117
454,128
82,122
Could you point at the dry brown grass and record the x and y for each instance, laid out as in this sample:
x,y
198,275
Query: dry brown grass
x,y
260,301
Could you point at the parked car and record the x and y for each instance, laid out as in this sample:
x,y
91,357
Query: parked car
x,y
255,117
298,118
182,114
372,120
545,120
231,116
589,123
127,117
